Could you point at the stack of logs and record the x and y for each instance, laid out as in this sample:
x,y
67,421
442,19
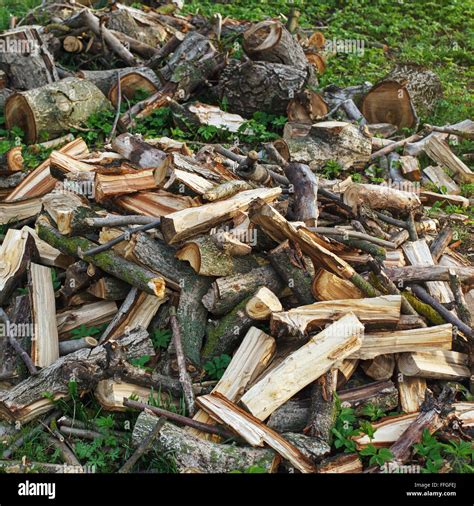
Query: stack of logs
x,y
320,291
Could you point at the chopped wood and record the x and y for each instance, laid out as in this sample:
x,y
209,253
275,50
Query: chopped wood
x,y
442,364
380,368
263,304
303,320
328,286
411,391
110,394
380,197
252,430
315,358
387,431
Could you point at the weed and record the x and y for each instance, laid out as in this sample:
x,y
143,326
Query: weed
x,y
216,367
161,338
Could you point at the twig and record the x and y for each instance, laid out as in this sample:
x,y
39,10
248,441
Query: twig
x,y
184,420
143,447
67,454
117,114
16,345
461,306
424,296
122,237
18,443
119,221
449,130
392,147
355,235
184,377
80,433
411,227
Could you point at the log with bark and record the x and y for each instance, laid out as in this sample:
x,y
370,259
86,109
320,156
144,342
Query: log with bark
x,y
54,108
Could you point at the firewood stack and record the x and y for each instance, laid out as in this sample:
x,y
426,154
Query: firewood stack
x,y
320,291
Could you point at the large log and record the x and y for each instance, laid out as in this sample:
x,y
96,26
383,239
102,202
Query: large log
x,y
54,108
193,454
327,140
301,321
190,222
28,64
304,366
251,86
380,197
108,261
442,364
26,401
270,41
404,94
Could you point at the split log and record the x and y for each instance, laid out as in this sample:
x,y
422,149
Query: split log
x,y
251,86
418,253
180,179
11,212
405,93
225,190
438,176
110,186
201,456
141,154
39,181
345,370
207,259
304,185
342,463
191,313
387,431
262,304
413,340
307,106
301,321
439,151
26,401
380,197
12,160
44,342
252,430
110,394
327,140
296,271
411,391
28,63
442,364
327,286
270,41
16,252
315,358
462,308
225,293
108,261
410,168
189,222
156,204
96,313
420,274
63,207
78,276
380,368
440,243
429,198
104,79
54,108
251,358
278,228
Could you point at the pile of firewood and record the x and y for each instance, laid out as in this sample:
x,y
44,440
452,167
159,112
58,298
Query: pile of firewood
x,y
313,287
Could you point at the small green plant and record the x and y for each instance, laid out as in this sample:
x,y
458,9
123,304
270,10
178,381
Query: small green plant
x,y
378,456
344,429
357,178
161,338
250,470
83,331
331,170
141,362
56,282
216,367
373,412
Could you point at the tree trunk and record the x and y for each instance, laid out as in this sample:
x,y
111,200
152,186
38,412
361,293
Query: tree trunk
x,y
250,87
54,108
31,64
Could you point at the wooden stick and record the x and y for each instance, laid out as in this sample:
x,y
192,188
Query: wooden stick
x,y
424,296
184,377
461,306
184,420
122,237
117,114
354,234
392,147
143,447
17,347
450,130
119,221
